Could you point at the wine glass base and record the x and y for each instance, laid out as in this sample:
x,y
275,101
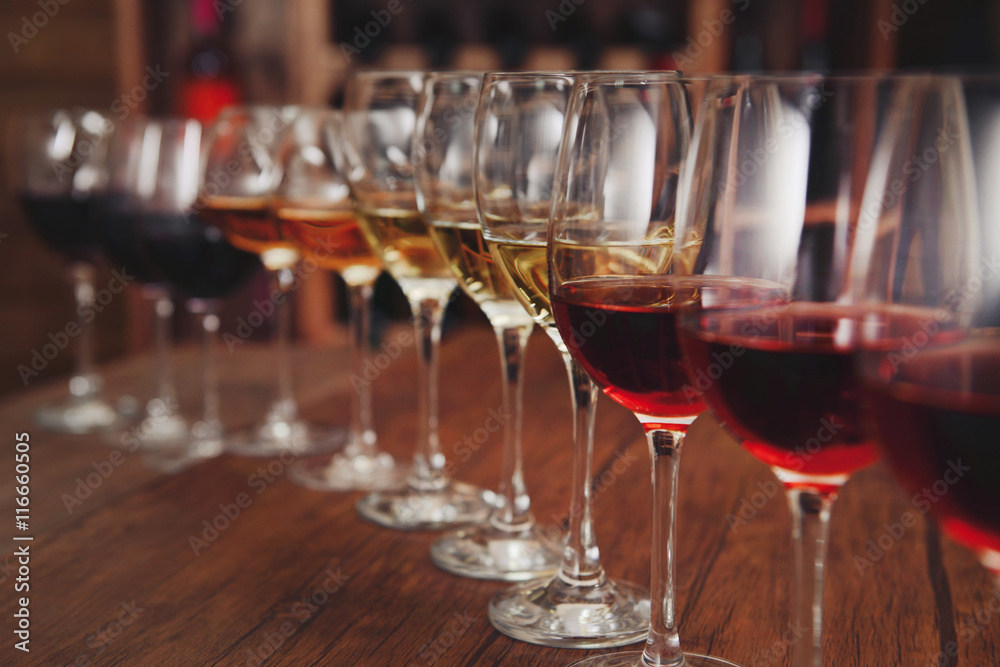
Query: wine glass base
x,y
277,438
634,659
343,472
78,415
416,509
173,460
556,613
485,551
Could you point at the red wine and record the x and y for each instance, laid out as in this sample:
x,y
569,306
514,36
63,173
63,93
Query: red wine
x,y
117,221
783,379
62,222
623,331
937,415
195,257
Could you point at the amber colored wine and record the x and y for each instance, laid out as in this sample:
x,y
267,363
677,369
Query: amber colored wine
x,y
402,239
247,223
462,244
329,236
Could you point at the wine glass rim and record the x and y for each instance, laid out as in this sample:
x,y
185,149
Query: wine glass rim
x,y
388,73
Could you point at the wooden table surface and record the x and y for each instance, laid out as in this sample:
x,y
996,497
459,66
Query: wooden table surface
x,y
114,578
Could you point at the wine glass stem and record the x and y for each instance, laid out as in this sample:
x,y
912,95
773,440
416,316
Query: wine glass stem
x,y
285,403
810,527
581,563
209,372
85,383
363,438
428,461
163,311
663,645
516,510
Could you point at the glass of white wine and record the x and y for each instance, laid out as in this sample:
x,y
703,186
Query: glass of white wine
x,y
509,545
518,132
380,112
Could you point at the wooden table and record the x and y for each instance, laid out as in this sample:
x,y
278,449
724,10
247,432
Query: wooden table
x,y
115,580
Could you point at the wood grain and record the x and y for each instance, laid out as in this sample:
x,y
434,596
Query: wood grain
x,y
298,579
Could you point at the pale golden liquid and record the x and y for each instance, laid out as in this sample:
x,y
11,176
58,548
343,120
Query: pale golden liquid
x,y
524,264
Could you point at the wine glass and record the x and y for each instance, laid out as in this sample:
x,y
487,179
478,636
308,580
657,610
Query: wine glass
x,y
192,256
239,175
615,297
509,545
380,116
925,272
115,212
314,210
50,168
767,215
518,131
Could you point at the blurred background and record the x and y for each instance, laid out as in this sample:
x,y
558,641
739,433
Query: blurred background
x,y
190,57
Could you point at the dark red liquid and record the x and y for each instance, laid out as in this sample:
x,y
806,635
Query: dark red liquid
x,y
783,379
937,414
630,349
62,222
195,257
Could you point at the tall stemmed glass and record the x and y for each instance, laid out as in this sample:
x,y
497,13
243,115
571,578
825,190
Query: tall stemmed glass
x,y
380,116
194,257
240,173
519,128
312,204
927,277
115,212
50,171
768,213
615,296
509,545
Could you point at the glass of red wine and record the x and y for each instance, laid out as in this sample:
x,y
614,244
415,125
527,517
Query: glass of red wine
x,y
313,206
240,172
768,213
115,212
52,172
191,255
518,134
616,296
928,277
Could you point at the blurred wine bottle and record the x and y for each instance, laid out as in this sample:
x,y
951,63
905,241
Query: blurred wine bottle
x,y
210,80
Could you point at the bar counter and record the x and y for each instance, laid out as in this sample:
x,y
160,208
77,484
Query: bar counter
x,y
229,563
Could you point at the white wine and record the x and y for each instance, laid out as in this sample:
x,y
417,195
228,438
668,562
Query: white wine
x,y
459,238
402,239
524,264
